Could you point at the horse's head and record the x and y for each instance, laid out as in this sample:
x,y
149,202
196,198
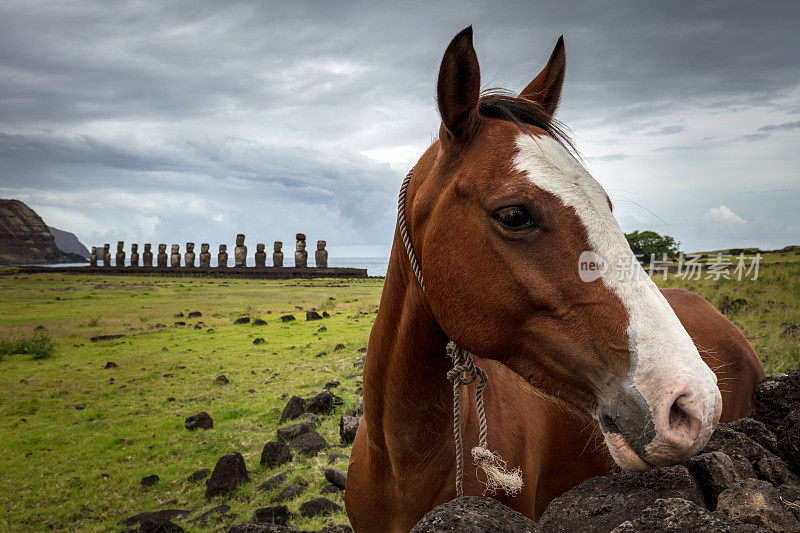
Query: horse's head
x,y
500,213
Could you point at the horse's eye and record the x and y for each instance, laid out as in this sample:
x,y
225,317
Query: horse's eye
x,y
514,218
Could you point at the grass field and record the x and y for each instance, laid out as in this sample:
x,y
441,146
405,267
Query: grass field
x,y
78,438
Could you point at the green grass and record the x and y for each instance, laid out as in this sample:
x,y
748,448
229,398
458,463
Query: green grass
x,y
77,438
38,345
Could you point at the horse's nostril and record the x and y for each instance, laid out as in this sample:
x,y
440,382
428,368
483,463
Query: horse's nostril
x,y
608,425
681,421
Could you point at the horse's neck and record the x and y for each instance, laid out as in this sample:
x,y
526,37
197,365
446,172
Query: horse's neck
x,y
407,397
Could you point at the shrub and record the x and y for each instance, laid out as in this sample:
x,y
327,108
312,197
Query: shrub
x,y
39,345
645,243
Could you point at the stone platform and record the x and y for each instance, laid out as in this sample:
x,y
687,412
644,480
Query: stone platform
x,y
207,272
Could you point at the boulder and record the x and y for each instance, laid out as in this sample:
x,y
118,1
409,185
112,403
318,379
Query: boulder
x,y
221,380
348,426
275,454
338,347
195,314
218,512
287,318
228,473
312,315
608,501
322,403
714,472
677,514
264,527
163,515
273,514
789,443
201,420
292,432
336,456
758,431
259,340
149,525
294,408
259,322
754,501
474,514
242,320
309,417
318,507
274,482
290,491
111,364
149,481
309,443
336,477
776,397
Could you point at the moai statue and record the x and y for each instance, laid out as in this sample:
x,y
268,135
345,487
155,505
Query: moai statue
x,y
147,256
222,256
301,255
188,257
120,259
277,255
240,252
93,257
134,255
321,255
175,257
261,255
205,256
106,255
162,255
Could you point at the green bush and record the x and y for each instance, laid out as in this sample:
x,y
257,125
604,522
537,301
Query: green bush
x,y
645,243
38,346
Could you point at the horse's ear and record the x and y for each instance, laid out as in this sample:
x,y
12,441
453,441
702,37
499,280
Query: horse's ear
x,y
545,89
459,85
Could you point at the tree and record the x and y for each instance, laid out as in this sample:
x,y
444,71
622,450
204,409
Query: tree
x,y
644,243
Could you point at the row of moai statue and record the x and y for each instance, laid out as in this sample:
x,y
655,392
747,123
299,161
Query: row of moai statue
x,y
239,253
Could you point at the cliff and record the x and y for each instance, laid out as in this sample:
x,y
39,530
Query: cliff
x,y
68,243
25,239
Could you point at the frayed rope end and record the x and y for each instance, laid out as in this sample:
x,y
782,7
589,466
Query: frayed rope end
x,y
497,477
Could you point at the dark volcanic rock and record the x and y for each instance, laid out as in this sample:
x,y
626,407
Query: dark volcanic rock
x,y
348,426
222,380
758,431
754,501
336,477
98,338
776,397
332,384
287,318
148,525
789,443
606,502
295,430
290,491
111,364
242,320
228,473
714,472
322,403
274,482
218,512
313,315
338,347
336,456
473,514
260,528
195,314
273,514
259,340
163,515
309,417
275,454
325,314
294,408
149,481
201,420
259,322
318,506
309,443
199,475
677,514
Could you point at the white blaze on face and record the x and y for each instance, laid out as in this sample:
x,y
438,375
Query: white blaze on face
x,y
663,356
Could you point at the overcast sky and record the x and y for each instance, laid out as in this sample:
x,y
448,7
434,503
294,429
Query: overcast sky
x,y
194,121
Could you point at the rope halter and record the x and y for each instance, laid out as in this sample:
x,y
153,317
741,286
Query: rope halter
x,y
464,372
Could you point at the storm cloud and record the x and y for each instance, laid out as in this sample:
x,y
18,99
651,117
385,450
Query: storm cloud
x,y
197,120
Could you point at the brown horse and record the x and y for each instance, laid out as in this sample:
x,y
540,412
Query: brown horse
x,y
499,213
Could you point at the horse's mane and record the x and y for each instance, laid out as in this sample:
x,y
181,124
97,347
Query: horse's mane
x,y
504,105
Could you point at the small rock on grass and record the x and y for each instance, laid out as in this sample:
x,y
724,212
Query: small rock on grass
x,y
295,430
318,506
294,408
111,364
219,510
312,315
348,426
274,482
242,320
338,347
201,420
275,454
163,515
309,417
229,471
309,443
287,318
149,481
336,456
222,380
290,491
199,475
336,477
259,340
259,322
273,514
322,403
149,525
